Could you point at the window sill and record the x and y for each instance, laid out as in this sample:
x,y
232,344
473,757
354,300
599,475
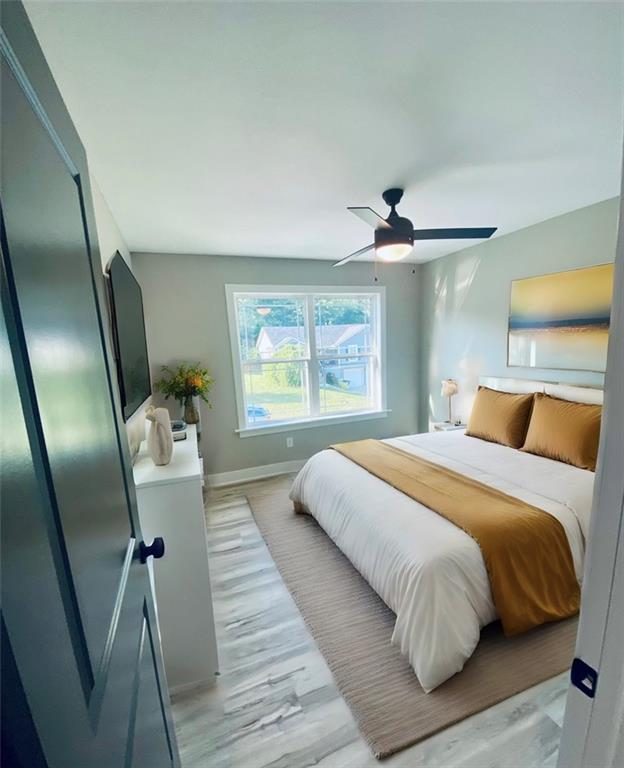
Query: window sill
x,y
322,421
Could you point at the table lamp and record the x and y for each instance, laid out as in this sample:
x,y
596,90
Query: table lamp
x,y
449,388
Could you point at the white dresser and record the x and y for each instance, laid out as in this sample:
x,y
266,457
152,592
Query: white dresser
x,y
171,506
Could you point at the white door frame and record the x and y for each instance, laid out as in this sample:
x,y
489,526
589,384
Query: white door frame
x,y
593,734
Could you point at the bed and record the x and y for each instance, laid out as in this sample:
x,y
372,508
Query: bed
x,y
428,571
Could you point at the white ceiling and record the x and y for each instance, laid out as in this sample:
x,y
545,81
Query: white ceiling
x,y
246,129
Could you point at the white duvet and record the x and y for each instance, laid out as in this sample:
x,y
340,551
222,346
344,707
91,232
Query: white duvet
x,y
428,571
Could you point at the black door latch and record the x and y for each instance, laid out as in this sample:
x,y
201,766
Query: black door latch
x,y
584,677
156,549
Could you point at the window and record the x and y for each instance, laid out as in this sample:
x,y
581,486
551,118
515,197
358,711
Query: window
x,y
302,355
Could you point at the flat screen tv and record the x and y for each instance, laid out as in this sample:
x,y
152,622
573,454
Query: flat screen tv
x,y
126,303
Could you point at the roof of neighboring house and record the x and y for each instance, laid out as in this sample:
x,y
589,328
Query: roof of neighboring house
x,y
331,336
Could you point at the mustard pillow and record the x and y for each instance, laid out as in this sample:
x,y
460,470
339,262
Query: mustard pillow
x,y
564,431
500,417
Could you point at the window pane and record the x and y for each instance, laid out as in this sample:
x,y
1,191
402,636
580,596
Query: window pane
x,y
343,324
271,327
275,392
345,385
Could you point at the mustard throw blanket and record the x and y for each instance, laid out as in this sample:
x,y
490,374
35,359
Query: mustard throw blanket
x,y
525,549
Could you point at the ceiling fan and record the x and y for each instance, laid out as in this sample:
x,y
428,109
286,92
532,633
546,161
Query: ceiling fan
x,y
394,236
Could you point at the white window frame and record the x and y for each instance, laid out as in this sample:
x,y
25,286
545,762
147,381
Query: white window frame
x,y
309,293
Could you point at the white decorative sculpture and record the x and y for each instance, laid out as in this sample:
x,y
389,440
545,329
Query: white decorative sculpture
x,y
160,438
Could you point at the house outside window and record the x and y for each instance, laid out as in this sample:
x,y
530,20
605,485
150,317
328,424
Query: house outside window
x,y
306,355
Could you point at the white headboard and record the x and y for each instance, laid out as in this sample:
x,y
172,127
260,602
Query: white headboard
x,y
593,395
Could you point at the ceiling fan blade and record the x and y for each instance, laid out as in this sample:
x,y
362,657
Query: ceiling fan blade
x,y
462,233
353,255
369,216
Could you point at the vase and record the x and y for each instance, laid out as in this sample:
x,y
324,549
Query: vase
x,y
160,438
191,414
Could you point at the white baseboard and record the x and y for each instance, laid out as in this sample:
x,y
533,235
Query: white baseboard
x,y
220,479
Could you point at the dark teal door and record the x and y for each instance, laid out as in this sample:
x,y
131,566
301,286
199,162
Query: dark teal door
x,y
77,612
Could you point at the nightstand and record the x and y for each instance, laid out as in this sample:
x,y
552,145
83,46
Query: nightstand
x,y
444,426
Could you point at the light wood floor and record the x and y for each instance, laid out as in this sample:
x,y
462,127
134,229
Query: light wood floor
x,y
275,704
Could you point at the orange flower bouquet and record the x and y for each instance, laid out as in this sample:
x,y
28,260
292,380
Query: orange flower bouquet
x,y
184,383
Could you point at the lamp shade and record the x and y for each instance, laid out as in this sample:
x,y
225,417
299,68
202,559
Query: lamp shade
x,y
393,251
449,387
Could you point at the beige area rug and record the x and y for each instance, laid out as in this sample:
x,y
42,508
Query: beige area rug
x,y
352,627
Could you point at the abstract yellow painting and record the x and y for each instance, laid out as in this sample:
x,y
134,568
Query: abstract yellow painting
x,y
561,320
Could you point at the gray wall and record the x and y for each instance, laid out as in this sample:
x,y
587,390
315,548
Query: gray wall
x,y
448,320
110,240
186,319
109,236
464,302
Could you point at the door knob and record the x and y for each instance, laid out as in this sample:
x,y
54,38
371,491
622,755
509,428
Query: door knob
x,y
156,549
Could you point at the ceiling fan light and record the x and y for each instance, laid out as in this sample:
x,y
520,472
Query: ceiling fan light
x,y
393,251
